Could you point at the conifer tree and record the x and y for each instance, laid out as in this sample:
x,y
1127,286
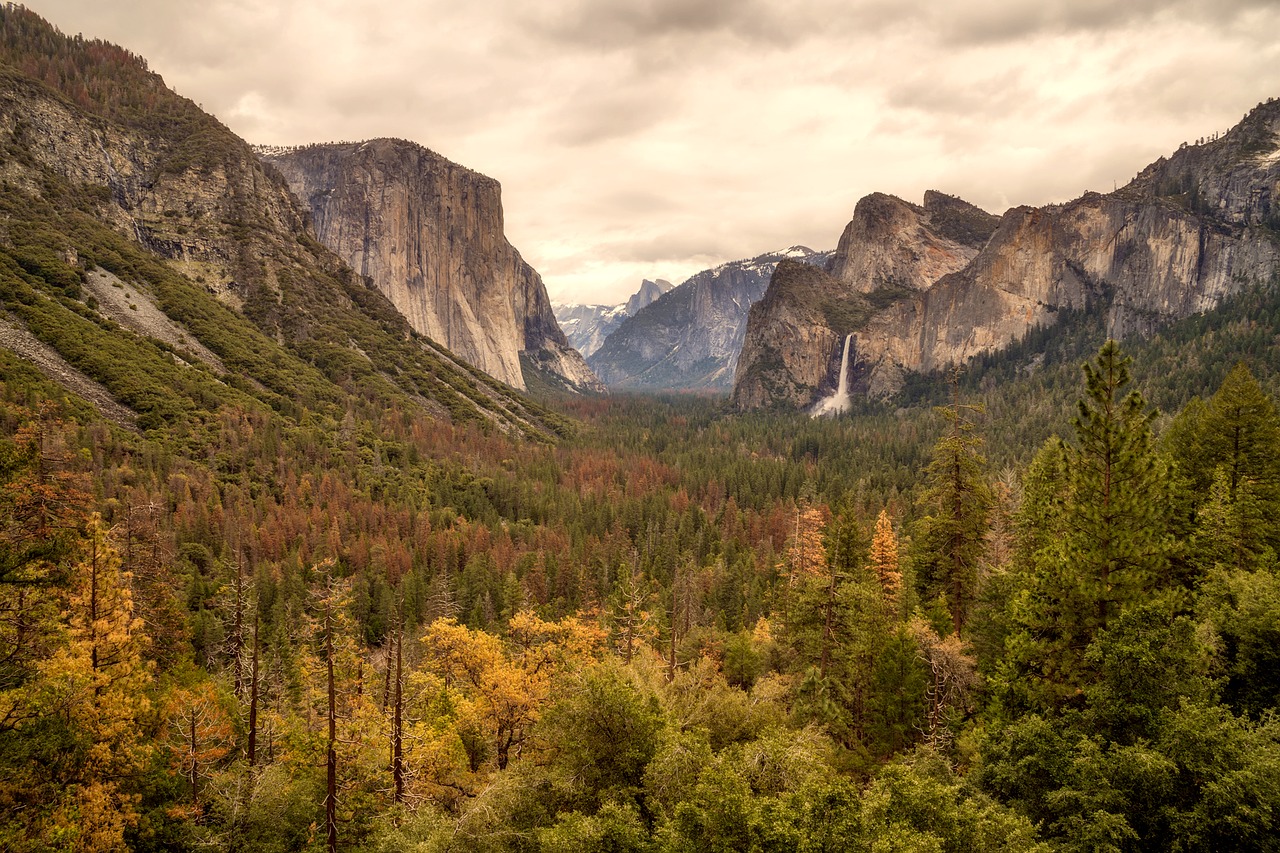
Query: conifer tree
x,y
1093,537
951,542
1114,531
99,680
884,558
1238,430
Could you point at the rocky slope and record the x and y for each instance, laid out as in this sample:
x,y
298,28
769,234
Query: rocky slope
x,y
587,326
690,337
429,234
1186,232
97,150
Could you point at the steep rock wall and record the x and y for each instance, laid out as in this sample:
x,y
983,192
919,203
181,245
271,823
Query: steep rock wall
x,y
429,234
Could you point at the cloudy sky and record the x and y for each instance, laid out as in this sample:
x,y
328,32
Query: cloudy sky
x,y
654,138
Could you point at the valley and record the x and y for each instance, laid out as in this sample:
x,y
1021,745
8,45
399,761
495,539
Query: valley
x,y
317,534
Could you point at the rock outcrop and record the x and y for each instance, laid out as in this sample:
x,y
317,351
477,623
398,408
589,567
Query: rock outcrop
x,y
690,337
429,234
1188,231
587,326
891,243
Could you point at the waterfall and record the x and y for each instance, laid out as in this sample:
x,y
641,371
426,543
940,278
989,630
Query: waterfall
x,y
839,401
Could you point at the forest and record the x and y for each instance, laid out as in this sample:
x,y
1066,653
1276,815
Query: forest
x,y
673,629
328,591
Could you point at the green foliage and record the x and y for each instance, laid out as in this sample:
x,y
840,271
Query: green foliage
x,y
603,732
1243,610
1134,683
950,540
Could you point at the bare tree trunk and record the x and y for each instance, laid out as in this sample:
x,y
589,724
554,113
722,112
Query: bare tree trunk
x,y
331,757
827,627
195,767
671,660
253,695
397,730
386,682
237,630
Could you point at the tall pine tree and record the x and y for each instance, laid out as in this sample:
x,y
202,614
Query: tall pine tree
x,y
952,537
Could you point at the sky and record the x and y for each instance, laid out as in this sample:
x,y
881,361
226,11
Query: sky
x,y
655,138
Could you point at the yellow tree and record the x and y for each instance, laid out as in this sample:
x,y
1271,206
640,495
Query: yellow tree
x,y
806,553
884,557
503,686
98,680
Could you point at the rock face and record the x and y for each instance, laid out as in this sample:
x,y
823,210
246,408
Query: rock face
x,y
789,342
690,337
1188,231
88,128
587,326
429,234
891,243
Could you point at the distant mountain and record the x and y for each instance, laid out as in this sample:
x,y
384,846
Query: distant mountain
x,y
924,289
690,337
586,326
428,233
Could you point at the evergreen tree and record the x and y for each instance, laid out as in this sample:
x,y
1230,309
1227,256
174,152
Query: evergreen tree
x,y
1238,430
99,680
1115,520
952,538
1093,538
884,558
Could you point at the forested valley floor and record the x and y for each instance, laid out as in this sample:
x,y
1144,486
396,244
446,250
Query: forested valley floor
x,y
1038,615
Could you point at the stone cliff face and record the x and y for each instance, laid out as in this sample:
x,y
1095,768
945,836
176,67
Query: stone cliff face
x,y
1186,232
429,234
690,337
889,251
193,200
789,340
891,243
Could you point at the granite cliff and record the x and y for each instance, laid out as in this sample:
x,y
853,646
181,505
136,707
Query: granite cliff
x,y
690,337
1187,231
429,234
217,259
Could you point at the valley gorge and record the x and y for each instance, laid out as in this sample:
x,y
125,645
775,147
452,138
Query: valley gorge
x,y
689,338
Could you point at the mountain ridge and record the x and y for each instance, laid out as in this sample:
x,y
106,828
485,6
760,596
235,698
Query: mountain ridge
x,y
587,326
1188,231
690,337
94,141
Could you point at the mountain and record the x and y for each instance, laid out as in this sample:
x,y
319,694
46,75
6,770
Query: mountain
x,y
429,234
587,326
1186,232
690,337
113,184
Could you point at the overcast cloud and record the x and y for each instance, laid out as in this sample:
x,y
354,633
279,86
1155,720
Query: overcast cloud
x,y
653,138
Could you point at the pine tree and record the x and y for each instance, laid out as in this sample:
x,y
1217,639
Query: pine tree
x,y
1239,431
1093,538
1235,438
951,541
1115,519
884,558
100,680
